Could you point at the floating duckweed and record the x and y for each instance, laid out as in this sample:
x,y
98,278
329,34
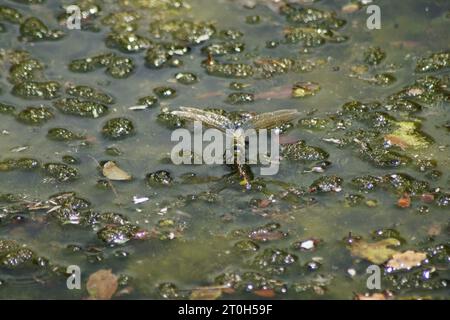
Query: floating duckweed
x,y
19,164
327,184
402,183
149,101
223,48
434,62
230,70
77,107
246,246
238,85
25,70
117,234
103,184
62,134
33,29
35,115
354,199
67,159
305,89
383,158
374,55
366,183
118,128
300,151
113,151
240,97
10,14
311,17
169,291
274,261
13,254
382,79
68,207
355,108
127,42
403,105
116,66
428,89
310,37
231,34
120,67
161,55
37,90
255,19
184,30
160,177
170,120
165,92
86,92
186,78
269,67
314,123
272,44
7,109
121,18
60,172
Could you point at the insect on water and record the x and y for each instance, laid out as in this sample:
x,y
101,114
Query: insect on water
x,y
237,131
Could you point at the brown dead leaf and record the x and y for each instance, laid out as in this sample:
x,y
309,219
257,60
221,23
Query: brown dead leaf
x,y
375,296
102,285
350,8
427,197
113,172
396,141
264,203
265,293
404,202
434,230
376,252
206,293
406,260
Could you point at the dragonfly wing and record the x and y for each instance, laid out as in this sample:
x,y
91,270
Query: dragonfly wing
x,y
272,119
208,118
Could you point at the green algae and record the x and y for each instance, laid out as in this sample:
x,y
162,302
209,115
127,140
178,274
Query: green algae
x,y
35,115
33,29
37,90
81,108
118,128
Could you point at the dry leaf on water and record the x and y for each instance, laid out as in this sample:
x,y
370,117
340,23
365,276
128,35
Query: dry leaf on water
x,y
404,202
265,293
374,296
113,172
434,230
377,252
102,284
206,293
406,260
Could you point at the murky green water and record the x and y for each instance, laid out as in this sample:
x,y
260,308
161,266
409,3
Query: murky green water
x,y
199,231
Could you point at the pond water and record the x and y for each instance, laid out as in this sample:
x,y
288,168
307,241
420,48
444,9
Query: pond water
x,y
366,161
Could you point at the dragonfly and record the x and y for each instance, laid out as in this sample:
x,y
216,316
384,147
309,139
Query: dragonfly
x,y
265,120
